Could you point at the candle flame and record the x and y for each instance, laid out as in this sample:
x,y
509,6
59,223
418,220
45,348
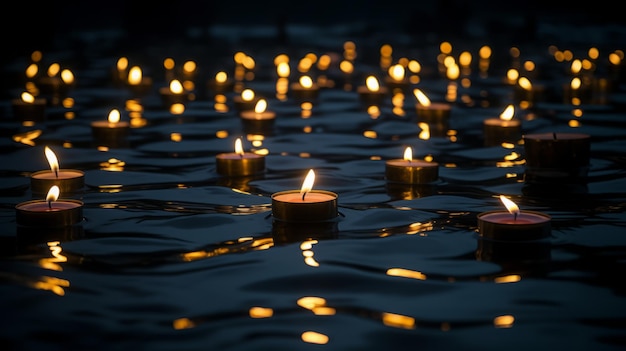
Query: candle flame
x,y
283,70
408,154
135,75
260,106
307,185
525,83
221,77
575,83
53,195
52,160
238,147
508,113
247,95
114,116
176,87
306,82
510,205
421,97
396,72
28,97
372,83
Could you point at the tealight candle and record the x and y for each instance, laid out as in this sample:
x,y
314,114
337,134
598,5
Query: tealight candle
x,y
68,180
137,83
528,92
259,118
396,79
29,108
112,131
504,129
246,101
513,224
556,156
239,163
221,84
305,205
430,112
174,93
410,171
305,89
577,92
372,93
50,212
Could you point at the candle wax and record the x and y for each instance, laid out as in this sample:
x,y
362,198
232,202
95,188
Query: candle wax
x,y
318,205
309,198
62,174
234,164
411,172
68,181
257,116
39,213
502,225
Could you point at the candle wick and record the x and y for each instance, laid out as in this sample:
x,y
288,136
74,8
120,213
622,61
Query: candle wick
x,y
50,204
303,195
56,173
514,216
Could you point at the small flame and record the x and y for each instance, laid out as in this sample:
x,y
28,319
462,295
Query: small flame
x,y
508,113
260,106
525,83
575,83
306,82
176,87
221,77
238,147
421,97
453,72
408,154
247,95
52,160
396,72
53,195
28,97
135,75
372,83
283,70
114,116
510,206
307,185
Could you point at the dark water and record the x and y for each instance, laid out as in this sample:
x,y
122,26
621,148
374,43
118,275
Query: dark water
x,y
173,256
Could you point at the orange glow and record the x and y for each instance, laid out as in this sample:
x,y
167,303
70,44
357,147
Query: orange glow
x,y
260,312
575,83
510,205
505,321
453,71
408,154
314,337
260,106
421,97
508,113
407,273
221,77
67,76
114,116
306,82
307,185
52,159
28,97
238,147
189,66
176,87
311,302
283,70
53,194
398,321
135,75
372,83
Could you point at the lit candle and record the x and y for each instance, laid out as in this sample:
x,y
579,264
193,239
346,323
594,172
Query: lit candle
x,y
304,205
68,180
246,101
239,163
557,157
57,81
111,132
431,112
174,93
260,114
137,83
525,91
396,79
221,84
305,89
504,129
513,224
410,171
372,93
29,108
50,212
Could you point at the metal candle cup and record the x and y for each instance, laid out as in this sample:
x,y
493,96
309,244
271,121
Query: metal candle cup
x,y
497,131
316,206
234,165
68,181
557,157
411,172
504,226
433,113
301,92
110,133
40,213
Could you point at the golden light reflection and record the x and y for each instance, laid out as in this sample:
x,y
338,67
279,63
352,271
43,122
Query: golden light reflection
x,y
510,205
27,138
314,337
32,70
406,273
370,134
183,323
511,278
505,321
396,72
324,311
247,94
53,161
346,67
311,302
177,108
176,87
283,70
27,97
113,165
422,99
525,83
425,130
260,312
67,76
398,321
176,137
53,69
373,111
135,75
508,113
372,83
573,123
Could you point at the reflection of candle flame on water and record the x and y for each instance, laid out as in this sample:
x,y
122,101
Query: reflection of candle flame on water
x,y
421,97
507,114
307,185
52,160
525,83
53,195
221,77
510,206
408,154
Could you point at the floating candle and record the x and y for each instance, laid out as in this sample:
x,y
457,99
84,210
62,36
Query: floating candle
x,y
246,101
305,205
305,89
527,92
430,112
372,93
137,83
221,83
111,132
29,108
410,171
396,80
513,224
239,163
50,212
557,157
68,180
260,114
505,129
175,93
